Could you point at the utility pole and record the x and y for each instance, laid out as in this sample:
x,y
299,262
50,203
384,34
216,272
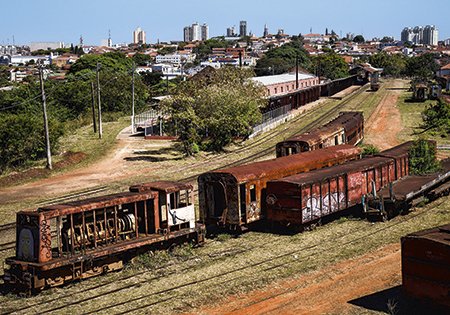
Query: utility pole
x,y
132,100
296,71
44,109
100,129
240,59
94,122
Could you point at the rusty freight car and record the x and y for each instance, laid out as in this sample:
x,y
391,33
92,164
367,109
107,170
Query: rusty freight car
x,y
60,243
235,197
347,128
426,266
306,198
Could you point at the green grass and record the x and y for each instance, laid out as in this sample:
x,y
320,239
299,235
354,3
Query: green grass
x,y
411,113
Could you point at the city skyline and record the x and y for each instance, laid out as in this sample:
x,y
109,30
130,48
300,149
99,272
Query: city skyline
x,y
54,21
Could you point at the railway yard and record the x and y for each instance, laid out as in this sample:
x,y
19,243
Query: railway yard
x,y
349,266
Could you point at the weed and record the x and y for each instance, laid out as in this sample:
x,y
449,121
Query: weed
x,y
223,237
392,306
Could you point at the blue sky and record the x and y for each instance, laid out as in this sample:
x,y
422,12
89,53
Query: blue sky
x,y
44,20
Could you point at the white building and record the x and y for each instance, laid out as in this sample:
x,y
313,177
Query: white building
x,y
427,35
22,60
139,36
430,35
175,58
196,32
46,45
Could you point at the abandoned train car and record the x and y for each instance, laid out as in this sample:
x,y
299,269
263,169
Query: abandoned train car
x,y
426,267
60,243
306,198
347,128
235,197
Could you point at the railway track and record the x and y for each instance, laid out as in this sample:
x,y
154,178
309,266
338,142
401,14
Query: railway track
x,y
279,261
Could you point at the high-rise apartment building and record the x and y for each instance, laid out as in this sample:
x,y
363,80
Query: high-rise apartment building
x,y
195,32
205,31
242,28
138,36
430,35
231,32
427,35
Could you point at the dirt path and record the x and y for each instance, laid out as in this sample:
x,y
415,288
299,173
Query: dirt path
x,y
112,167
324,291
385,123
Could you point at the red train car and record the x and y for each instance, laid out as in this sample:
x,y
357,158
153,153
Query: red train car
x,y
306,198
236,196
426,266
347,128
60,243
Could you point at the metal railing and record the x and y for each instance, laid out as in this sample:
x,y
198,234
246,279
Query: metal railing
x,y
271,117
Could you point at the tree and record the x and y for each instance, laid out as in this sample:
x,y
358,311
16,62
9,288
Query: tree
x,y
214,110
422,158
394,65
359,39
282,59
437,117
329,65
422,67
142,59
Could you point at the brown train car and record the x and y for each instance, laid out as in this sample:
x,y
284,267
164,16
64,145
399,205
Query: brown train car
x,y
347,128
75,240
235,197
306,198
426,266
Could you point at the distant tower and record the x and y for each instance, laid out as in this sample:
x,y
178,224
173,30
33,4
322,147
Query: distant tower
x,y
266,31
138,36
109,39
242,28
205,31
310,30
81,40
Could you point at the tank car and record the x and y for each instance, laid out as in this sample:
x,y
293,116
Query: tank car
x,y
75,240
235,197
347,128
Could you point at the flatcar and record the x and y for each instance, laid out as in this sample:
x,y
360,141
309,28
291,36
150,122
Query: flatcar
x,y
347,128
306,198
235,197
426,268
75,240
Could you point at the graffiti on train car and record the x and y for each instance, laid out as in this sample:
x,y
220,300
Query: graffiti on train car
x,y
318,206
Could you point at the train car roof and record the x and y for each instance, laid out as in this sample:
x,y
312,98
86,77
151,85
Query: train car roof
x,y
440,234
276,166
96,202
166,186
346,120
399,150
333,171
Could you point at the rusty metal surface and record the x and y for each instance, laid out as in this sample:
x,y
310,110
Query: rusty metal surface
x,y
166,186
349,123
284,166
309,196
236,196
410,186
94,203
426,265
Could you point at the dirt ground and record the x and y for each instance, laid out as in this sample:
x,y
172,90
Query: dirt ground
x,y
113,167
324,291
385,123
